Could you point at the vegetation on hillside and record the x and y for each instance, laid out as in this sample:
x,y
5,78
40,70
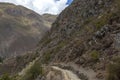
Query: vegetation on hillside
x,y
113,70
32,73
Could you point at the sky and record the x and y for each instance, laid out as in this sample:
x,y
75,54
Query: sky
x,y
42,6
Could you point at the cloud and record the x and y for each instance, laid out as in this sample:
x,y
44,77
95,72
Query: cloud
x,y
41,6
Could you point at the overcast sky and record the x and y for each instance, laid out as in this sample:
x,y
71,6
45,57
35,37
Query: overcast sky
x,y
42,6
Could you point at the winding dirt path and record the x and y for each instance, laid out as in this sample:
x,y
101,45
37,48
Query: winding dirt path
x,y
68,75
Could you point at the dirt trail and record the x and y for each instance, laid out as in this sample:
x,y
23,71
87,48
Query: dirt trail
x,y
88,72
57,73
68,75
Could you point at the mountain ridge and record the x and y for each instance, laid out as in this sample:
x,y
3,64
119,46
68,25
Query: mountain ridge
x,y
20,29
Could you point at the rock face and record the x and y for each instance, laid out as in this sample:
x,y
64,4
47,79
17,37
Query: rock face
x,y
20,29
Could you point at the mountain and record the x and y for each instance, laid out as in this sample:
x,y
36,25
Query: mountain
x,y
86,34
83,44
20,29
86,29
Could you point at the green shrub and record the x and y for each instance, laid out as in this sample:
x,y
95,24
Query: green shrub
x,y
94,55
1,59
104,19
46,57
33,72
59,46
118,3
19,59
47,41
62,44
6,77
113,70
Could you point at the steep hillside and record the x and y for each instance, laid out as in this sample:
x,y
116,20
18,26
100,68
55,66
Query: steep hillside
x,y
20,29
86,34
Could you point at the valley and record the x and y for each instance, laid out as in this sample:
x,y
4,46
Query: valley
x,y
81,43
